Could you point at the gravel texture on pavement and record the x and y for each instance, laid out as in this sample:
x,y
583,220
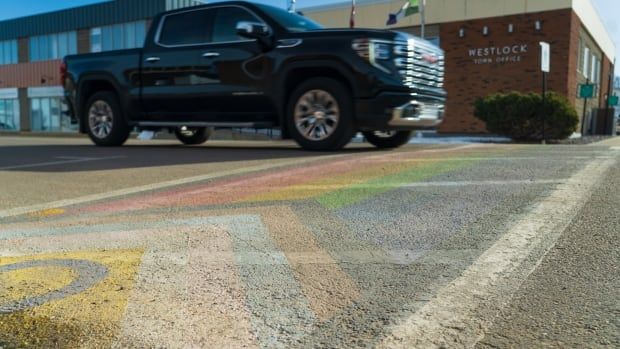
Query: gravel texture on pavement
x,y
262,245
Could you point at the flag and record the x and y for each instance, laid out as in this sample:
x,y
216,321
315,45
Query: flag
x,y
393,17
412,8
352,20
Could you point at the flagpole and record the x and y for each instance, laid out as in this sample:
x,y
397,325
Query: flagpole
x,y
352,19
423,17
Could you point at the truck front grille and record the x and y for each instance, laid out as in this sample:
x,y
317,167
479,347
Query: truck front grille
x,y
420,64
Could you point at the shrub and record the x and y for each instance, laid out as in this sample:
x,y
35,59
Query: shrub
x,y
518,116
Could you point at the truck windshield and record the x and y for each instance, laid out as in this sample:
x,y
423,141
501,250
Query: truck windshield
x,y
291,21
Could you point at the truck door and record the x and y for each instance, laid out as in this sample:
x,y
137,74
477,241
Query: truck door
x,y
238,68
173,77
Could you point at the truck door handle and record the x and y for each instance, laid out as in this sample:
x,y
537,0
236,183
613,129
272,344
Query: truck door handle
x,y
210,55
153,59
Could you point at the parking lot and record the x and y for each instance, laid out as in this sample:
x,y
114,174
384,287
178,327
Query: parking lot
x,y
260,244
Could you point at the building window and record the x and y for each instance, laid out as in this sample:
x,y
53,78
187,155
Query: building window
x,y
118,36
580,56
53,46
8,52
434,40
9,115
585,68
596,69
47,115
175,4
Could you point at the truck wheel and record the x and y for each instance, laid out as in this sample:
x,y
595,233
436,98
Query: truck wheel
x,y
388,139
320,115
106,125
193,135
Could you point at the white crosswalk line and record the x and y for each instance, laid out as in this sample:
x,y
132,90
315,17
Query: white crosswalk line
x,y
461,312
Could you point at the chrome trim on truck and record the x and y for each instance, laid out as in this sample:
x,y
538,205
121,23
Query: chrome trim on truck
x,y
418,114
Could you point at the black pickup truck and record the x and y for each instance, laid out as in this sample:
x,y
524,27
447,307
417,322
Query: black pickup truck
x,y
242,65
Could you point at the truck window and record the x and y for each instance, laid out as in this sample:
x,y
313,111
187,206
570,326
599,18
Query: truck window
x,y
186,28
291,21
226,19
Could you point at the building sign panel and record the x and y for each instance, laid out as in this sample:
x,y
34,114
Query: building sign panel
x,y
8,93
498,54
545,57
586,91
51,91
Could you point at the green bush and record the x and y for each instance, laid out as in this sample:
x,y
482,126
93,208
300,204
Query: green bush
x,y
518,116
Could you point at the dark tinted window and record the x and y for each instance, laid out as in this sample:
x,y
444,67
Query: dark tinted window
x,y
291,21
186,28
226,19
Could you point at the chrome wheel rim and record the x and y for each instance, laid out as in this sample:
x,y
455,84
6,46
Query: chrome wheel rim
x,y
384,134
100,119
317,115
187,132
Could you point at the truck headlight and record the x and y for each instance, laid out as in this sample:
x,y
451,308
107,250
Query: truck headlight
x,y
376,52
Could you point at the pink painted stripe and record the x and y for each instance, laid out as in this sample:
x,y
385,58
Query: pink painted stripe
x,y
231,190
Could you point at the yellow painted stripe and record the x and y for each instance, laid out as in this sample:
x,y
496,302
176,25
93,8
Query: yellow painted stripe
x,y
87,319
48,212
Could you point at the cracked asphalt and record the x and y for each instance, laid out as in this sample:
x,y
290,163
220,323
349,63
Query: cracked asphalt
x,y
262,245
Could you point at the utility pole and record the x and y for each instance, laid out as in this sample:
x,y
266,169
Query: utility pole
x,y
610,92
545,67
585,107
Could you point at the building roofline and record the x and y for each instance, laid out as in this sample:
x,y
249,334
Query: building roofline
x,y
593,23
93,15
47,13
342,4
584,9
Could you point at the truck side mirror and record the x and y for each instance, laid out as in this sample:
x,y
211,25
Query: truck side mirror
x,y
252,30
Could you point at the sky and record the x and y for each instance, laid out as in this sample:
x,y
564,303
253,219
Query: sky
x,y
608,9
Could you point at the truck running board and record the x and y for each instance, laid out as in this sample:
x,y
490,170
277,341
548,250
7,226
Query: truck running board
x,y
207,124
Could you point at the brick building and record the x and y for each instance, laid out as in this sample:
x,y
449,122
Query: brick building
x,y
493,46
31,49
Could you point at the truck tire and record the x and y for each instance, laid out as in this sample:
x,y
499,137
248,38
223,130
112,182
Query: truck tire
x,y
389,139
194,135
320,115
105,122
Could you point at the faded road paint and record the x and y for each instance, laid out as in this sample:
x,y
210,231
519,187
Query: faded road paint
x,y
90,299
309,254
453,317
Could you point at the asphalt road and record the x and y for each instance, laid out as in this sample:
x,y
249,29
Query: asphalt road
x,y
260,244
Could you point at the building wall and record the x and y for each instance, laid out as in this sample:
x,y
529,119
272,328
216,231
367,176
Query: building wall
x,y
83,38
23,50
580,35
374,13
24,75
469,74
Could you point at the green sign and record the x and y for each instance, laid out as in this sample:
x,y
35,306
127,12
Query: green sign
x,y
586,91
613,101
